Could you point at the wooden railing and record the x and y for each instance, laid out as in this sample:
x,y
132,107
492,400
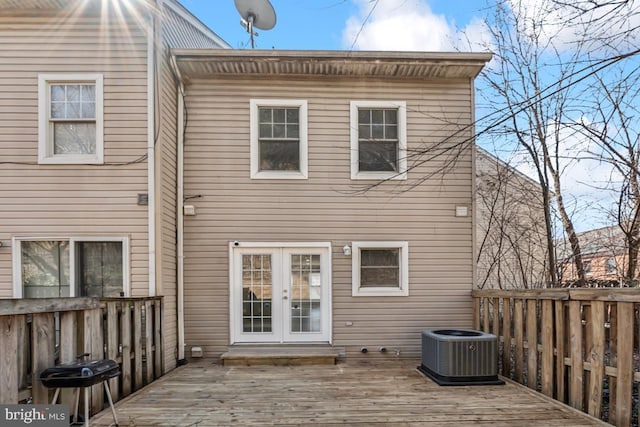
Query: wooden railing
x,y
39,333
579,346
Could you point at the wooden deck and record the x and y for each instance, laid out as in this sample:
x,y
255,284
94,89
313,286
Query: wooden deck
x,y
351,393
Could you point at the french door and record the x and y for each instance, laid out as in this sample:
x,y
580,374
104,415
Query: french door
x,y
280,294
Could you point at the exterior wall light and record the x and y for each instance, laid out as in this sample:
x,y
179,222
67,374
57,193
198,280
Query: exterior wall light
x,y
346,250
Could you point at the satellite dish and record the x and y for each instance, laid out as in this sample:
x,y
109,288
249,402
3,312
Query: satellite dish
x,y
256,13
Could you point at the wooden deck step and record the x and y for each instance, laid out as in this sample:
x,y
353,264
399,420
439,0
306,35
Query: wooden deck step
x,y
280,355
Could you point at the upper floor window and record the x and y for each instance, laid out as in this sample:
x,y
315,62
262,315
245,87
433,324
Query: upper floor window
x,y
68,267
70,118
278,139
378,140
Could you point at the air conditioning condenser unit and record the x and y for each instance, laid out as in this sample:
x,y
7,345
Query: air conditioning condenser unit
x,y
460,357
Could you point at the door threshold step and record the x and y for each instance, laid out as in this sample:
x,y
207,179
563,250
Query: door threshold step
x,y
285,356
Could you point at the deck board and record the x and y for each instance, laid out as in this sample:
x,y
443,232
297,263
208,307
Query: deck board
x,y
351,393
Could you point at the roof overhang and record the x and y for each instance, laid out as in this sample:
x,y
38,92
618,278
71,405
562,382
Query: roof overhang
x,y
197,64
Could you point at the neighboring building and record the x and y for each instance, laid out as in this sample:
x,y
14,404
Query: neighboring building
x,y
604,254
285,245
510,228
88,147
293,165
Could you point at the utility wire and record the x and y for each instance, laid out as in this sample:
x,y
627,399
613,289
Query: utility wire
x,y
355,40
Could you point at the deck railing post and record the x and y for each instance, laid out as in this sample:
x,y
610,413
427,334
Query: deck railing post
x,y
587,338
112,344
148,341
495,330
577,360
532,344
595,355
43,351
125,339
546,337
486,316
625,364
559,337
9,366
613,358
158,343
137,345
519,339
506,331
476,313
68,347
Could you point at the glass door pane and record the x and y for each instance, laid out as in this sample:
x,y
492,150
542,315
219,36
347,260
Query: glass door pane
x,y
306,286
257,290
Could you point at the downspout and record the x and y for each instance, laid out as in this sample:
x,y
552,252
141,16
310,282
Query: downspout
x,y
151,158
474,245
180,212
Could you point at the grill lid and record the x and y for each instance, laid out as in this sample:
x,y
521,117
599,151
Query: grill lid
x,y
80,374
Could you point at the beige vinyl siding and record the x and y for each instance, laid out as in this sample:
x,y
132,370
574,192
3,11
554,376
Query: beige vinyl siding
x,y
328,206
176,31
73,200
166,204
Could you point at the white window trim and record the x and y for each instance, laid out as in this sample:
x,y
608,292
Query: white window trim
x,y
402,140
402,290
17,260
256,173
45,139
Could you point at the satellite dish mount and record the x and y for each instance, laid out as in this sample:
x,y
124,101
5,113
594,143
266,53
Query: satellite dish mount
x,y
256,14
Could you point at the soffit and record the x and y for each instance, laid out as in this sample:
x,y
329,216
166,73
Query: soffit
x,y
204,63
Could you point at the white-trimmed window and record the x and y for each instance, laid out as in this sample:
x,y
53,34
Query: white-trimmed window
x,y
70,118
278,131
69,267
587,267
378,140
380,269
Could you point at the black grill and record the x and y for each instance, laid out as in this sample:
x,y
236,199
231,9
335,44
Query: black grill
x,y
79,374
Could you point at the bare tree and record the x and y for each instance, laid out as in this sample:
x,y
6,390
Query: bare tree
x,y
530,70
613,126
611,24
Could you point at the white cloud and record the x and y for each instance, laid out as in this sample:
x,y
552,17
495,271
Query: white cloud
x,y
409,25
567,23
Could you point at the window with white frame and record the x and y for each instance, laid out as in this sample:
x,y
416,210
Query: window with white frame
x,y
380,269
278,131
70,118
69,267
611,266
378,140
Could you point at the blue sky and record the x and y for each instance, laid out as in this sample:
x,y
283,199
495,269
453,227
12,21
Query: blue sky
x,y
321,24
